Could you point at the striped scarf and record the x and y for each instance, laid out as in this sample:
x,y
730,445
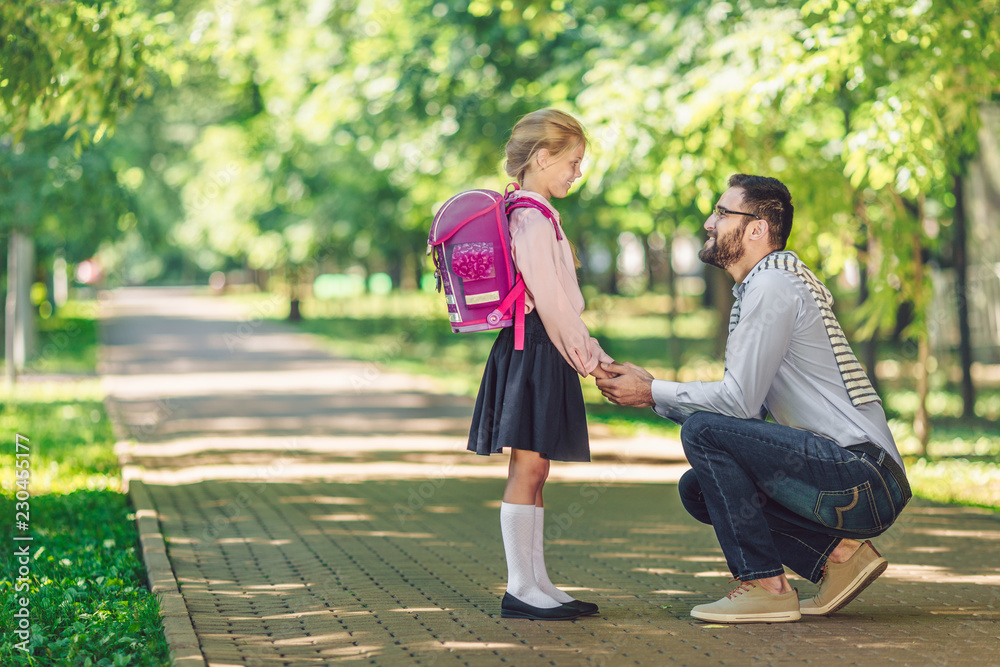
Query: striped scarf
x,y
859,388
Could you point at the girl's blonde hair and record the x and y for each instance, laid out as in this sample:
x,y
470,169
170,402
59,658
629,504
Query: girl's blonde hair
x,y
551,129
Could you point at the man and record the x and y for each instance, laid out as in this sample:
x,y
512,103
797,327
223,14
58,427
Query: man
x,y
805,489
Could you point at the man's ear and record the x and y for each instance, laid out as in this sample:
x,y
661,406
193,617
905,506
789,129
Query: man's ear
x,y
759,229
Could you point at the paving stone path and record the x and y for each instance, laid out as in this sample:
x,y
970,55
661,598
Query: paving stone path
x,y
300,509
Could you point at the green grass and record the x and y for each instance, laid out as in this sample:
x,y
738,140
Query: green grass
x,y
87,597
87,594
67,340
956,481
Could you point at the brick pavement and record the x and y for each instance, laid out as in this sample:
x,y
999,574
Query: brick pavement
x,y
298,509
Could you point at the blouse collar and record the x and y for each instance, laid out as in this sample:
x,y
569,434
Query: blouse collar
x,y
537,197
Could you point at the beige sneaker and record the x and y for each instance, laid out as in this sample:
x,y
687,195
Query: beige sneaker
x,y
749,603
842,582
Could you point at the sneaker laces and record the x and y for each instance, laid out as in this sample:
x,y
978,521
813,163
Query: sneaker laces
x,y
744,587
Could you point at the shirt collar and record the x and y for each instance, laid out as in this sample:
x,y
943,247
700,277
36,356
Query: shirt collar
x,y
739,289
537,197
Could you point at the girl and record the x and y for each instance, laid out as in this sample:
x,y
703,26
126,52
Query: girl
x,y
531,400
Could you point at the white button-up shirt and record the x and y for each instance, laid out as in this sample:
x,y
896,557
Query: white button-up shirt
x,y
779,360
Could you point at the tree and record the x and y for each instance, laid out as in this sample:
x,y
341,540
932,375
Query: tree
x,y
912,77
355,120
867,110
78,63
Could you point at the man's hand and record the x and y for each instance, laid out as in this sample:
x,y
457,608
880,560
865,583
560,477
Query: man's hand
x,y
631,386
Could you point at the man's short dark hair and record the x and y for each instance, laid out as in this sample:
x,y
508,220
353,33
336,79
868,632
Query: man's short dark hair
x,y
768,198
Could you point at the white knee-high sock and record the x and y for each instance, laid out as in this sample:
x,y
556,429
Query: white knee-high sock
x,y
538,558
517,525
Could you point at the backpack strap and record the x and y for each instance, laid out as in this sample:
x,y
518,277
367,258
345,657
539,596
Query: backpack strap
x,y
527,202
515,297
519,307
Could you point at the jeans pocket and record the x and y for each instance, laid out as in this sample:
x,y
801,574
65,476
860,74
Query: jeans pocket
x,y
851,509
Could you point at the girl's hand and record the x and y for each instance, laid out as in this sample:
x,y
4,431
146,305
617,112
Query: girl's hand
x,y
599,372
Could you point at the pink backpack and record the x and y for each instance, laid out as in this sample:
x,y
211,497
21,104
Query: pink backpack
x,y
470,243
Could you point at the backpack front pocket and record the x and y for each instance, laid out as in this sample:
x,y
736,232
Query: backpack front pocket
x,y
475,264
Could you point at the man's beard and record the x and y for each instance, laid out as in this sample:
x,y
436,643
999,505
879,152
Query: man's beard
x,y
726,251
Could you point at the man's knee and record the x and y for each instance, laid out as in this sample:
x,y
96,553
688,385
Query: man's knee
x,y
689,489
695,429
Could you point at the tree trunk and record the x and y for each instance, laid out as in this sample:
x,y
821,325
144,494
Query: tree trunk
x,y
612,287
406,272
650,270
584,273
60,282
19,317
869,351
673,343
869,348
921,420
961,260
10,311
292,275
419,266
261,277
395,268
721,286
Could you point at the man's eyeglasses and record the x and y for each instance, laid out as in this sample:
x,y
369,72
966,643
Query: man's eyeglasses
x,y
721,212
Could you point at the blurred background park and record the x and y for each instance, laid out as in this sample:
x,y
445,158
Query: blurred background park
x,y
291,153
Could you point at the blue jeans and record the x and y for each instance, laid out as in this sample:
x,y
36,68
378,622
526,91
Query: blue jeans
x,y
778,495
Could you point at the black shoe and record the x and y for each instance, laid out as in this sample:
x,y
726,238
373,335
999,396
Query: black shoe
x,y
511,607
585,608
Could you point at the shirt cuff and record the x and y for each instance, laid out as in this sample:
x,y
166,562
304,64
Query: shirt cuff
x,y
665,400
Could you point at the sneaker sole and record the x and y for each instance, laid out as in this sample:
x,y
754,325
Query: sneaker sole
x,y
860,583
771,617
531,617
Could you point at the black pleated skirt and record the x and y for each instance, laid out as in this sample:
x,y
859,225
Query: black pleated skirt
x,y
530,399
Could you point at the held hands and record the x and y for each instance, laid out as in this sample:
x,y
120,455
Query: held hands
x,y
626,384
600,373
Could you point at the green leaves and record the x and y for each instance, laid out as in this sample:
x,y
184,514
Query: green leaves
x,y
843,101
300,131
77,62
